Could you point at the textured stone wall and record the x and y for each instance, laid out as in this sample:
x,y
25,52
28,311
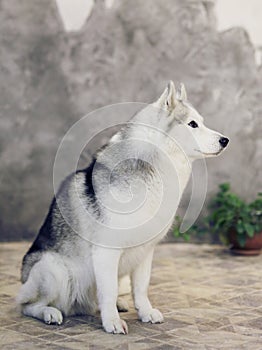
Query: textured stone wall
x,y
50,79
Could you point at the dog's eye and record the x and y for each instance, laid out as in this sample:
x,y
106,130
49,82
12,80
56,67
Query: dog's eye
x,y
193,124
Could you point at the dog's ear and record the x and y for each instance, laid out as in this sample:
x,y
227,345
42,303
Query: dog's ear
x,y
182,93
168,98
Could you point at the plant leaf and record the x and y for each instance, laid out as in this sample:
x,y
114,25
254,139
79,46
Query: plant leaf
x,y
249,229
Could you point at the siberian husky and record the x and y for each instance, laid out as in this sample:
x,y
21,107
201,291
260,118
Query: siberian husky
x,y
76,262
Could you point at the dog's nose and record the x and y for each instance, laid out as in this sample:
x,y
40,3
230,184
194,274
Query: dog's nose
x,y
223,141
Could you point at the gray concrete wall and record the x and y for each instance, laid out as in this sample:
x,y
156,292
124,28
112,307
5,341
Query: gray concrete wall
x,y
49,79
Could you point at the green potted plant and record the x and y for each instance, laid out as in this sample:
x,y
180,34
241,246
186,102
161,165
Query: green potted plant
x,y
236,222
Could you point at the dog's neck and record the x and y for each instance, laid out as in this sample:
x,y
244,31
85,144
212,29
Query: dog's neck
x,y
152,144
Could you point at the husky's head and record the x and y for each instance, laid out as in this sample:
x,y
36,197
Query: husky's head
x,y
186,126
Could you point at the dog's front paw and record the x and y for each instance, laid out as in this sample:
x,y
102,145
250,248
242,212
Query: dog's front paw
x,y
153,316
116,326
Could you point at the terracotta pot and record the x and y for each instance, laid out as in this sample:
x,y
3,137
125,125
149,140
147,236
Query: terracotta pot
x,y
253,245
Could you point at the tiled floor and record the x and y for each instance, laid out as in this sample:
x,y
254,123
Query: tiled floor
x,y
210,300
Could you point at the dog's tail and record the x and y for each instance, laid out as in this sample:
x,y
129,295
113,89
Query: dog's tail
x,y
28,293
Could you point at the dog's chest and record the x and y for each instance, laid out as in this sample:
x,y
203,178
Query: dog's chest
x,y
132,257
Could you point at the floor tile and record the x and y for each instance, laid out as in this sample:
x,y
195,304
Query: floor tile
x,y
209,298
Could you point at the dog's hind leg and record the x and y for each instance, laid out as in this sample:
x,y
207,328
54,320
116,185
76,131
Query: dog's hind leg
x,y
46,289
39,310
124,288
122,305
